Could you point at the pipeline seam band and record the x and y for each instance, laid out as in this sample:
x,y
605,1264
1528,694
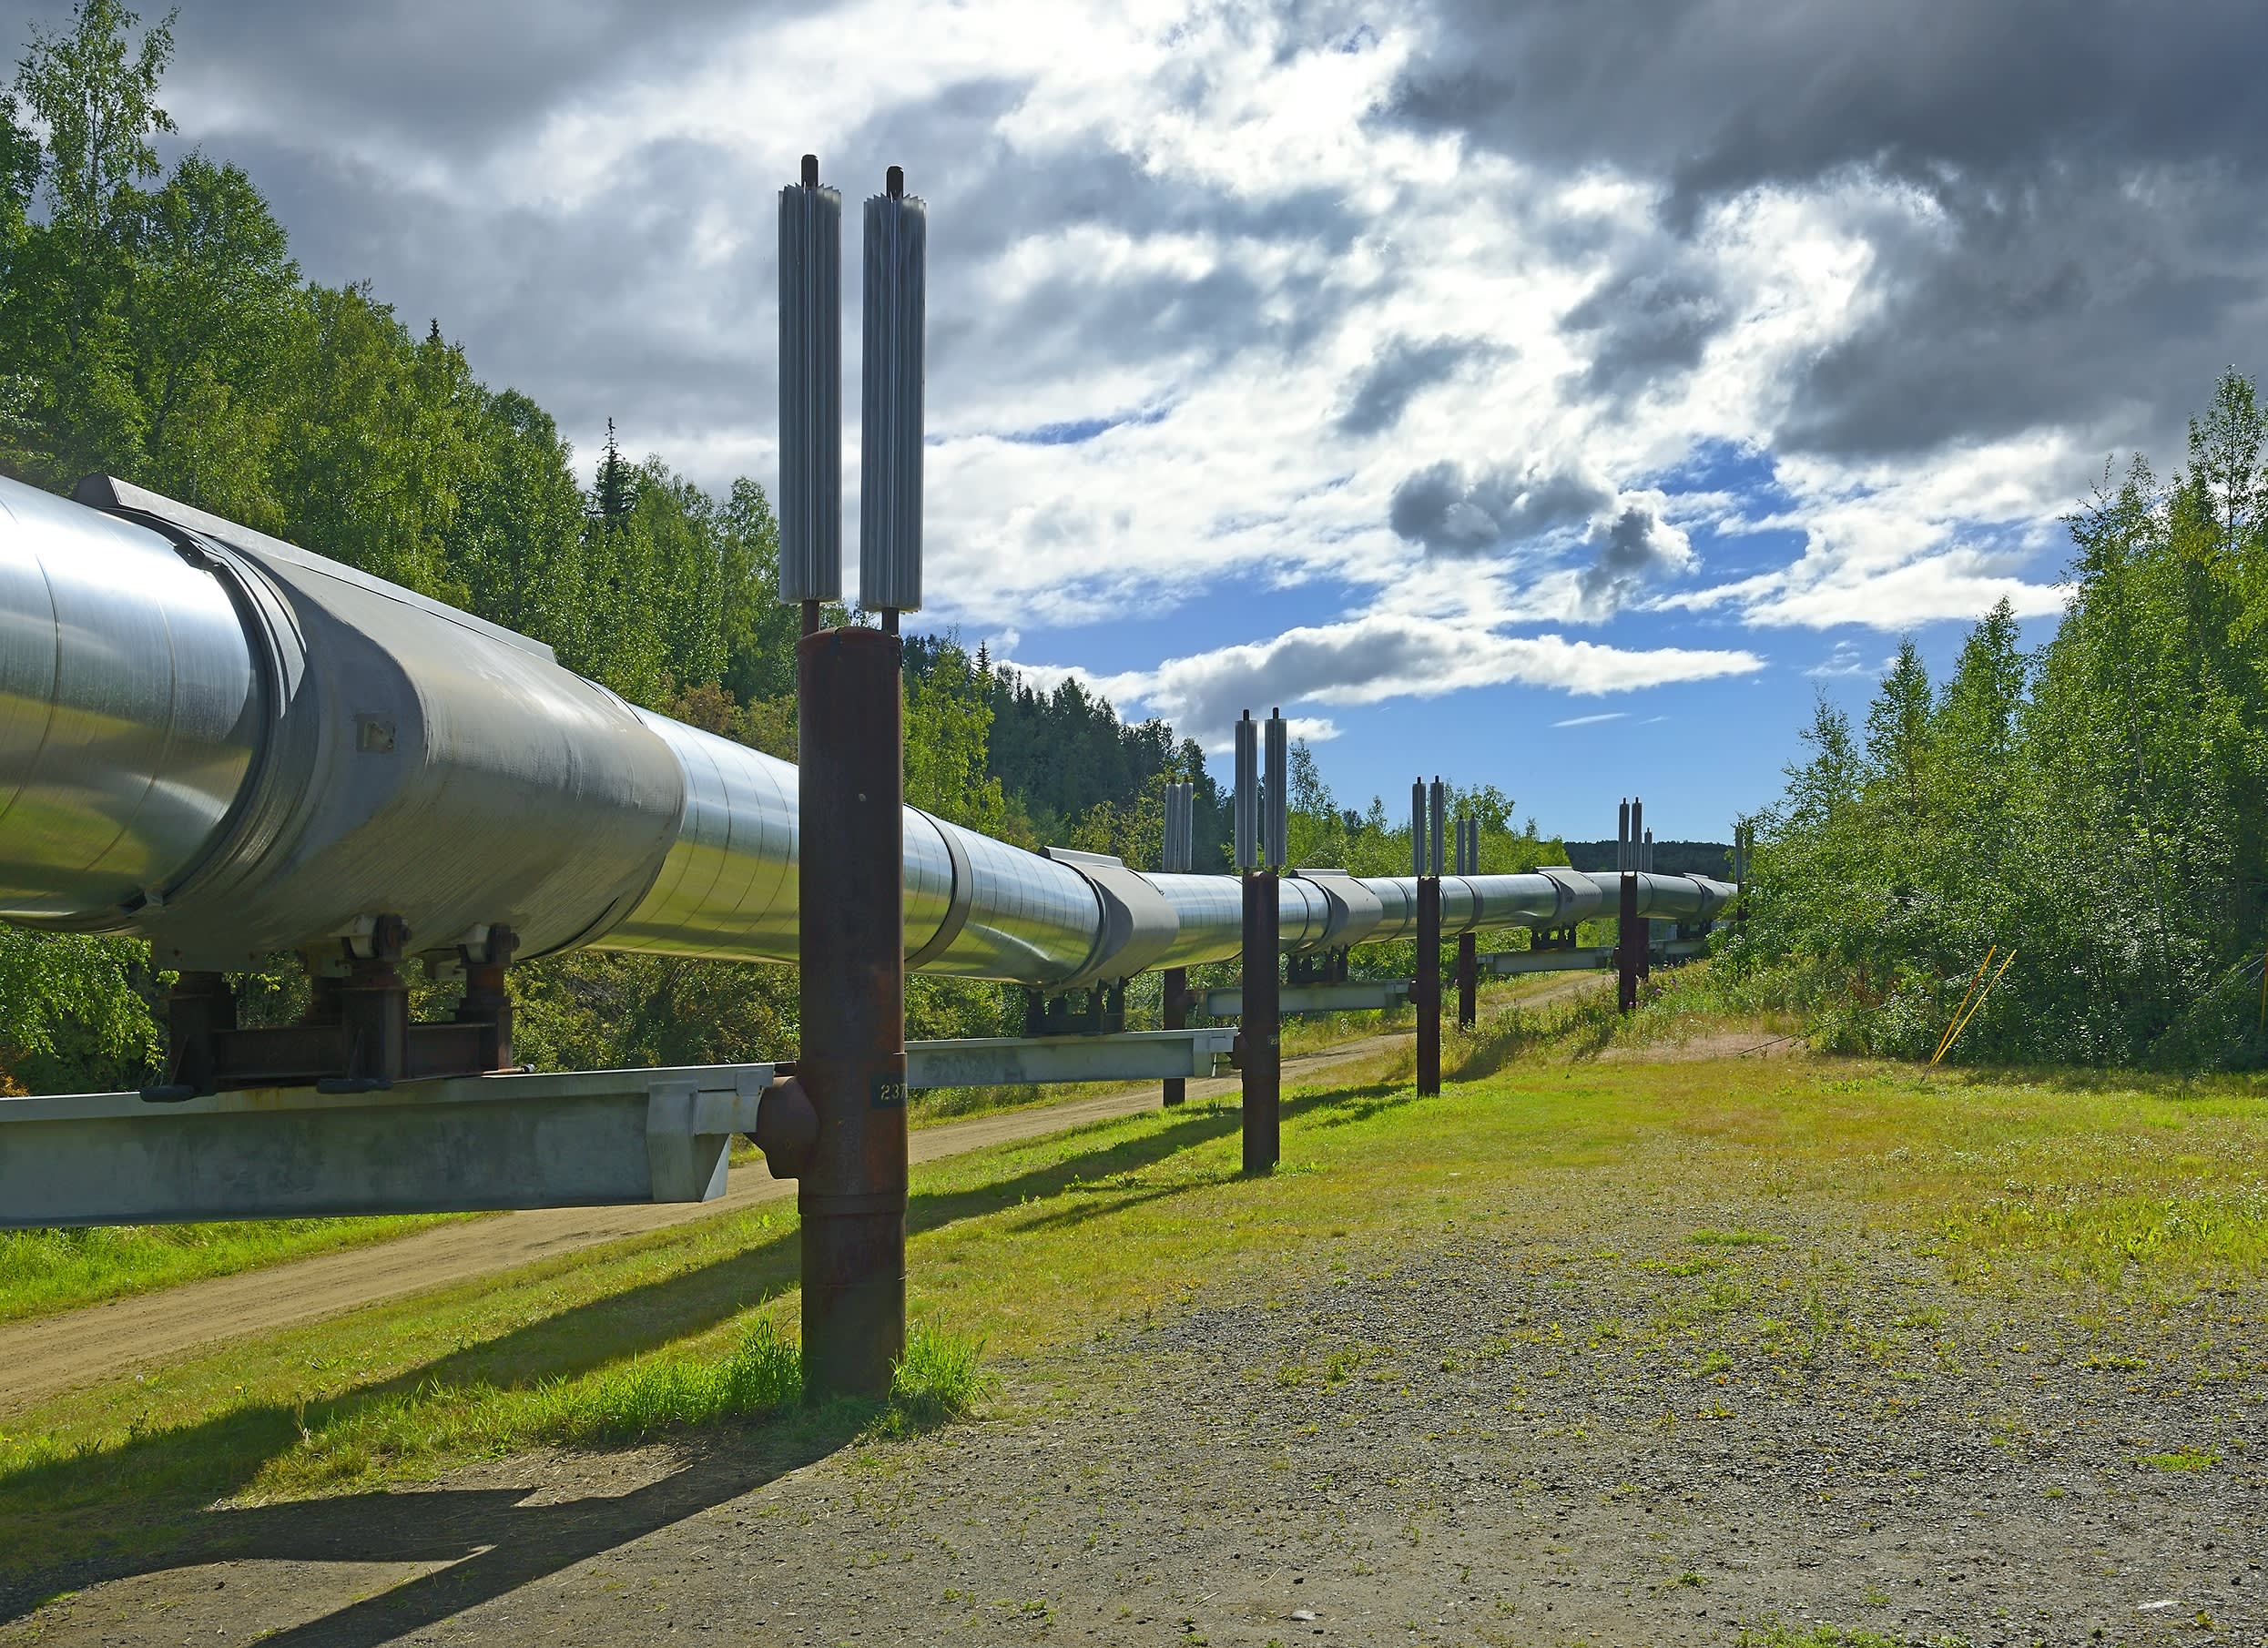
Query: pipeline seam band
x,y
958,902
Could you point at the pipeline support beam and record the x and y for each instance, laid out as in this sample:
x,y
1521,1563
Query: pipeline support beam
x,y
1426,986
1630,939
1259,1047
852,1198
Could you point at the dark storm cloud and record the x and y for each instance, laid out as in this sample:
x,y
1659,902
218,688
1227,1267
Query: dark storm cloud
x,y
1719,96
1440,508
443,77
598,311
1404,368
1646,321
1628,552
2091,185
2057,303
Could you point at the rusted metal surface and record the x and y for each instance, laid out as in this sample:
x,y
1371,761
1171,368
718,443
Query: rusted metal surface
x,y
1630,943
356,1032
1259,1051
787,1128
1176,1016
852,1065
1427,983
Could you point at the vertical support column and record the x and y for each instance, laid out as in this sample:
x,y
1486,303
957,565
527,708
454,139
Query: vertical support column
x,y
1467,942
1259,1050
1626,939
1428,983
1259,1045
1630,943
1642,844
1429,825
1744,842
1178,851
852,1198
1176,1016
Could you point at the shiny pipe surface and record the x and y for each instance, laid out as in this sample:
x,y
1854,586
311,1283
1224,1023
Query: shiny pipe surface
x,y
172,715
130,713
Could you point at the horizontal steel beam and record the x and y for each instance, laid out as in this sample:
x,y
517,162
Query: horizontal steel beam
x,y
1134,1055
587,1138
1503,962
1357,995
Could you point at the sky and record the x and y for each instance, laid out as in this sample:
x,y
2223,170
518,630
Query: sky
x,y
1553,395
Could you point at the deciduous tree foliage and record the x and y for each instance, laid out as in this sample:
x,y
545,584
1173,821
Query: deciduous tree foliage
x,y
2097,806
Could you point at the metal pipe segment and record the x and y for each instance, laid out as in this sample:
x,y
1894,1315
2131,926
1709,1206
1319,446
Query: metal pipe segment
x,y
231,746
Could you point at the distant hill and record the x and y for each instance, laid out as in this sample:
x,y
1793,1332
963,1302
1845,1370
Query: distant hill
x,y
1671,858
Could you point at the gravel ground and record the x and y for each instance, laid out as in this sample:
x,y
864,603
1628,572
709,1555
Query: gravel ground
x,y
1661,1435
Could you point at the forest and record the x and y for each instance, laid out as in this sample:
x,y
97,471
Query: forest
x,y
2092,811
154,326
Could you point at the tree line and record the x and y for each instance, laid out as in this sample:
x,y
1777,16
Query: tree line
x,y
2093,807
154,325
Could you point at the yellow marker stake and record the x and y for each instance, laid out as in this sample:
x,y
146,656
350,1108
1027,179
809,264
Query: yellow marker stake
x,y
1945,1040
1972,1012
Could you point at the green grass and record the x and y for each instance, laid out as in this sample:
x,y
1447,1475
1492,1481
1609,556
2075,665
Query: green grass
x,y
758,1376
45,1271
2183,1459
1052,1245
1735,1238
1773,1635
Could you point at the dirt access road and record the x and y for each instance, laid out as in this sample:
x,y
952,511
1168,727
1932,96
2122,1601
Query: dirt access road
x,y
49,1355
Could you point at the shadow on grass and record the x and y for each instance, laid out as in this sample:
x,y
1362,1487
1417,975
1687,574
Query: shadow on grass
x,y
148,1504
1355,1104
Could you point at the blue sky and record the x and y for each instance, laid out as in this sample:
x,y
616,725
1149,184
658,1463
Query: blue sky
x,y
1445,373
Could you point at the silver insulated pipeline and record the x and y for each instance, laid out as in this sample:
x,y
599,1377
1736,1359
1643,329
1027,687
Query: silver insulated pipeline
x,y
231,746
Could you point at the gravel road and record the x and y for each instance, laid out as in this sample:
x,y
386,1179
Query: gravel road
x,y
1632,1436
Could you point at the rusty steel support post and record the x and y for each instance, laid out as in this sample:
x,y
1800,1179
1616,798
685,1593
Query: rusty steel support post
x,y
1468,980
1176,1016
852,1064
1630,941
1259,1051
1428,982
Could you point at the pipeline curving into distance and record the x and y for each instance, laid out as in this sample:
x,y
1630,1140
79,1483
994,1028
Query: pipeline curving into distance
x,y
225,745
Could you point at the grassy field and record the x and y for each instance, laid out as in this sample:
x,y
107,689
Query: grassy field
x,y
2112,1196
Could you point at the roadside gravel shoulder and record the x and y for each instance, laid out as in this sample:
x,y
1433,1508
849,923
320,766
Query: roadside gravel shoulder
x,y
1636,1437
